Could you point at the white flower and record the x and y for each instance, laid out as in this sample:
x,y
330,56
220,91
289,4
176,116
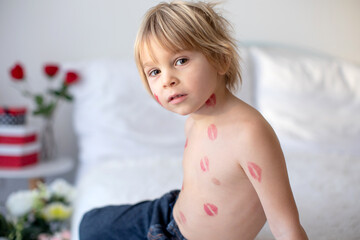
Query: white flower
x,y
62,188
20,203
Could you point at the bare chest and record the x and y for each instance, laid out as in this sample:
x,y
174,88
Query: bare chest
x,y
211,158
216,195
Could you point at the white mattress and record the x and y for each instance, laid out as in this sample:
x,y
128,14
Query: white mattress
x,y
325,189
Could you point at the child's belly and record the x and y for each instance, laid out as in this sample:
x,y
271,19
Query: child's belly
x,y
203,213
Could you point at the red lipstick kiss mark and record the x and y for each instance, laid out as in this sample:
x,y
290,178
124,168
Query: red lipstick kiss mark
x,y
210,209
212,132
215,181
255,171
211,102
157,99
182,217
186,143
204,164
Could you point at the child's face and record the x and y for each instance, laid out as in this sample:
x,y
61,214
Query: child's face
x,y
181,82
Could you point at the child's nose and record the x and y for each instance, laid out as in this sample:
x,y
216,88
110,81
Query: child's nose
x,y
170,82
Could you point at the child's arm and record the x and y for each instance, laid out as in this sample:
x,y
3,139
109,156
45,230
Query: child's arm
x,y
263,162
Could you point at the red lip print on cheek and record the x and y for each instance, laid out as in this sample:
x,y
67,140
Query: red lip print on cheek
x,y
204,164
211,102
186,143
212,132
157,99
255,171
210,209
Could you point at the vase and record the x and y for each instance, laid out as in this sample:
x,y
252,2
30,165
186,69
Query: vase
x,y
48,143
57,226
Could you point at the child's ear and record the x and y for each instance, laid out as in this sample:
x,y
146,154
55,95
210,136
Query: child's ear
x,y
223,65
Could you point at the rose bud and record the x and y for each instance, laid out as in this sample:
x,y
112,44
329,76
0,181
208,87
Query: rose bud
x,y
17,72
51,69
71,78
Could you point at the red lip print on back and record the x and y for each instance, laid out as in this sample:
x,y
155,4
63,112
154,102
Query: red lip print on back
x,y
211,102
212,132
255,171
210,209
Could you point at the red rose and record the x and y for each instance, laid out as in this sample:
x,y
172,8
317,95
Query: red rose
x,y
71,78
17,72
51,70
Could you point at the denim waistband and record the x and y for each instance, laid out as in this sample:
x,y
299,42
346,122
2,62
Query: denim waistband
x,y
171,230
174,230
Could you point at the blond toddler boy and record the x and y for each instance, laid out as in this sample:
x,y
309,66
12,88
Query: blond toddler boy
x,y
235,176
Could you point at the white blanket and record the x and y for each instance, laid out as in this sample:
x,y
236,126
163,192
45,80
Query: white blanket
x,y
325,188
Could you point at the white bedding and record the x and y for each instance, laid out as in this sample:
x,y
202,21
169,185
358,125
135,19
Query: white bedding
x,y
327,194
325,188
309,99
130,148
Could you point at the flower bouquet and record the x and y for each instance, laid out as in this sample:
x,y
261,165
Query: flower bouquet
x,y
47,102
39,214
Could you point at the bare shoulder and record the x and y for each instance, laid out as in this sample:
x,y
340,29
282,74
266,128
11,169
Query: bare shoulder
x,y
254,133
261,157
249,120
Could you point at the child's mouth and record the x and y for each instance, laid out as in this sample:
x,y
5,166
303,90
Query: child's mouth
x,y
176,98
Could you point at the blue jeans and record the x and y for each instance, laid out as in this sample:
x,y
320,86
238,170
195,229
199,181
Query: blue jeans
x,y
147,220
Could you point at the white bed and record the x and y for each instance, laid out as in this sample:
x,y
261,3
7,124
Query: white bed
x,y
131,148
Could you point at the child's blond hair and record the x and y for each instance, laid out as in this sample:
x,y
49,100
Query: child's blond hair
x,y
180,25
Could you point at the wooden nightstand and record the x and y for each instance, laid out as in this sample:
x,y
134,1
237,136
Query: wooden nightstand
x,y
39,171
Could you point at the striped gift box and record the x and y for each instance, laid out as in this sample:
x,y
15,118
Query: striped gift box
x,y
12,115
18,146
17,134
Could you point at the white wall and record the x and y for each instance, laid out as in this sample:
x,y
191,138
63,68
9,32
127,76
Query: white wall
x,y
38,31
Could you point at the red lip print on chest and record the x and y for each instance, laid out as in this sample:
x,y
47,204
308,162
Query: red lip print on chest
x,y
216,181
182,217
204,164
212,132
210,209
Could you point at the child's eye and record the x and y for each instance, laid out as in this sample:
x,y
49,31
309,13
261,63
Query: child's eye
x,y
181,61
154,72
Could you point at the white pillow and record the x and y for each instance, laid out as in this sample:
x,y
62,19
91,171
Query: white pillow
x,y
246,90
116,118
310,100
